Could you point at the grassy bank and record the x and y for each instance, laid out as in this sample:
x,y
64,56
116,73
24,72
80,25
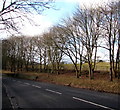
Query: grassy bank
x,y
100,83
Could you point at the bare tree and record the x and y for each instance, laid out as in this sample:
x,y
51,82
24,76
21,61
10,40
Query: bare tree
x,y
39,50
54,54
117,68
110,27
5,54
14,11
58,53
89,30
66,42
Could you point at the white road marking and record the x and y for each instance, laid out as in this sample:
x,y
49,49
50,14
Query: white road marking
x,y
27,83
53,91
36,86
92,103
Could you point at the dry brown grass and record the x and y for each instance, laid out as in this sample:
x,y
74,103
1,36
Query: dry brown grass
x,y
100,83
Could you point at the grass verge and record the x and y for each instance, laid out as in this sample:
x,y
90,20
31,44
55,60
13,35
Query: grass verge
x,y
98,84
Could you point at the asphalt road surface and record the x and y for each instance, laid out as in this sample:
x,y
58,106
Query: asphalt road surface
x,y
31,94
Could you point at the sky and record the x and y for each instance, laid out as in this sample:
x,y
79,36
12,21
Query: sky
x,y
50,17
47,19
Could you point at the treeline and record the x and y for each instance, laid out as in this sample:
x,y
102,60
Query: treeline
x,y
78,37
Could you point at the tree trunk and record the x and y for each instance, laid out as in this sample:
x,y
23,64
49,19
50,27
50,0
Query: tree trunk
x,y
91,76
80,71
40,61
40,67
94,60
111,70
76,70
21,65
26,65
110,49
117,66
58,68
111,74
45,66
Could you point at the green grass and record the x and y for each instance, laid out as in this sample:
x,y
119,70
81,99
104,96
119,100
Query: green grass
x,y
68,66
100,66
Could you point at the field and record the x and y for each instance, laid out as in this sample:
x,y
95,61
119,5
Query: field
x,y
100,66
100,83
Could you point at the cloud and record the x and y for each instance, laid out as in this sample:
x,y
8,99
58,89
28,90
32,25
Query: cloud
x,y
31,25
38,26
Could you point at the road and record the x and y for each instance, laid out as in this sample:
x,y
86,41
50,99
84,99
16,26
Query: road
x,y
31,94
